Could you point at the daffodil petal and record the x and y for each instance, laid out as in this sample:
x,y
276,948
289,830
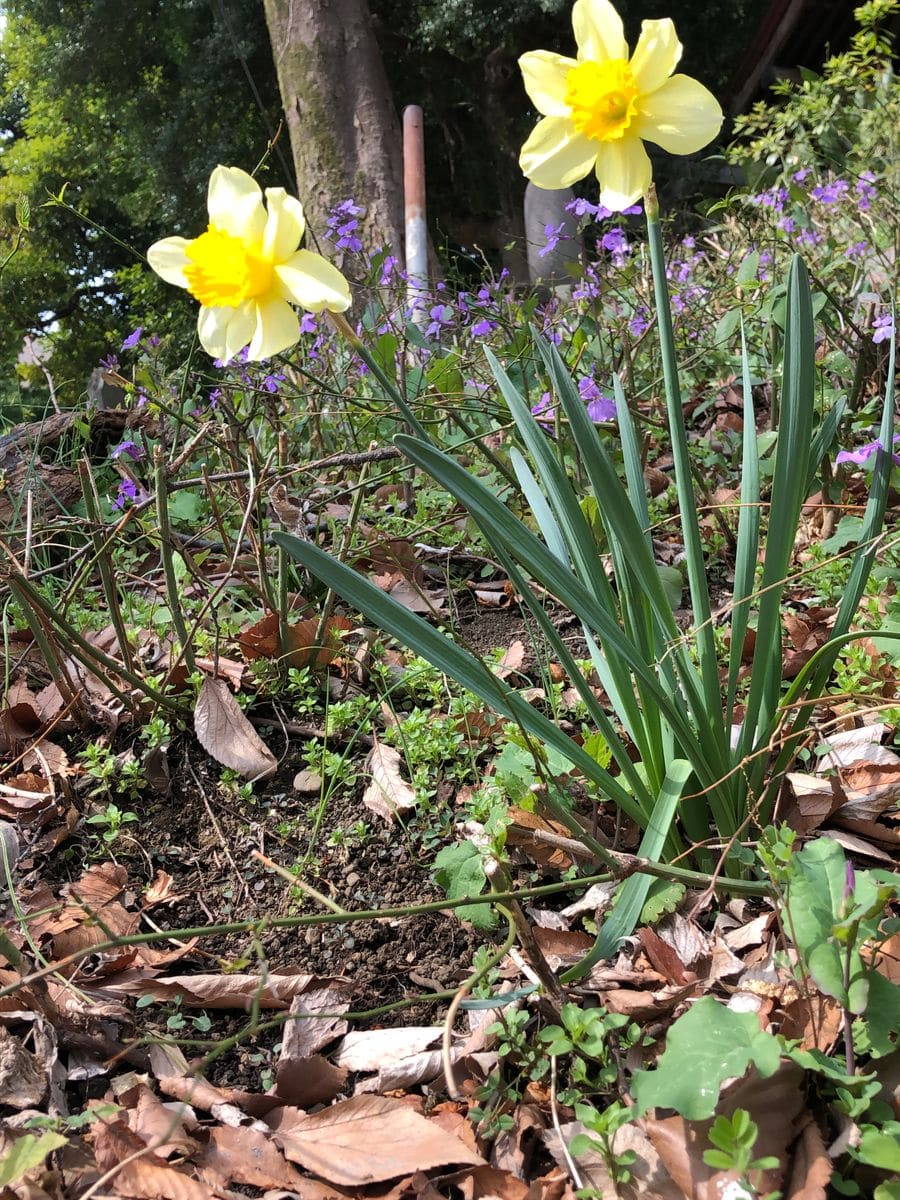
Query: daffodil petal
x,y
556,155
682,116
285,224
598,31
212,324
656,55
313,282
240,328
544,74
168,260
277,329
235,204
624,172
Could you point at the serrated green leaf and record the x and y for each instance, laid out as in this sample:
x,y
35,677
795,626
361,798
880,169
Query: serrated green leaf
x,y
706,1046
664,897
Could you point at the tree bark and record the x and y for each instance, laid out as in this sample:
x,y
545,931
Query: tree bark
x,y
344,131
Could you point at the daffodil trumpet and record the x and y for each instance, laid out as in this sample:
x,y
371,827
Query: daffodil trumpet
x,y
247,270
601,106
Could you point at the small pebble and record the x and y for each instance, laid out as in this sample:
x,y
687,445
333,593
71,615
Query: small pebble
x,y
307,781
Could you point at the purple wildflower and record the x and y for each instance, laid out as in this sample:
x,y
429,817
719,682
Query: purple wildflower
x,y
639,323
599,407
271,382
580,207
128,492
830,193
864,453
441,315
111,362
132,449
133,338
387,270
482,328
616,242
153,341
307,323
866,190
543,410
882,328
554,235
799,176
214,397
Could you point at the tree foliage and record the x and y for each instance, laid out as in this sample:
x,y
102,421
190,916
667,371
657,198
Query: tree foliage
x,y
128,107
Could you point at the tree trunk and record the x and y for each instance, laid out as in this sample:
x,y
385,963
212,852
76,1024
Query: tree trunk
x,y
344,131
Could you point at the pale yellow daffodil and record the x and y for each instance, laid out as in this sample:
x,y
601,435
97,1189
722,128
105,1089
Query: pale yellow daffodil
x,y
600,107
246,270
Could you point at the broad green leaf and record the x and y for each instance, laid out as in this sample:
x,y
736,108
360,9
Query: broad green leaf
x,y
459,870
26,1153
812,909
881,1149
706,1046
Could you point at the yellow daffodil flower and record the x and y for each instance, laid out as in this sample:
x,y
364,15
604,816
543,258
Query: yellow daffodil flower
x,y
600,107
246,270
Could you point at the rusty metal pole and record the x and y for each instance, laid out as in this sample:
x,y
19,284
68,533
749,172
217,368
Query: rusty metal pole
x,y
414,203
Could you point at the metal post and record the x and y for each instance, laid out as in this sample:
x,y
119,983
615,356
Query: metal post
x,y
414,202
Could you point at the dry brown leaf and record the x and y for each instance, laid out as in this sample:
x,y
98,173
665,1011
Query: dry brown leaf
x,y
157,1125
388,793
147,1177
263,640
851,746
814,1020
309,1029
221,991
248,1156
871,788
810,801
23,1077
372,1049
489,1183
521,833
413,597
46,756
304,1082
227,736
812,1169
664,958
512,660
367,1140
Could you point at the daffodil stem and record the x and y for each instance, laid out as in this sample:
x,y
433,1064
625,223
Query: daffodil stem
x,y
165,551
696,564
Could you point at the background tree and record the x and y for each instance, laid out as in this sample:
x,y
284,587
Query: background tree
x,y
344,130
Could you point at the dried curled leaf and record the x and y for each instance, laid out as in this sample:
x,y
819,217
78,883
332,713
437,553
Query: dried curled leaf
x,y
227,736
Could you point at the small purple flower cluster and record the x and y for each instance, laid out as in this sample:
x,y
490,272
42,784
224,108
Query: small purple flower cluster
x,y
341,226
